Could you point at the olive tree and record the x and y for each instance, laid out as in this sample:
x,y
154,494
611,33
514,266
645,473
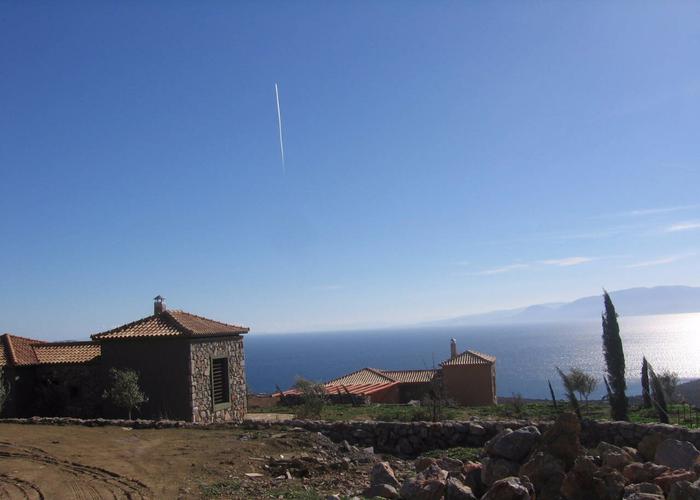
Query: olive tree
x,y
124,390
583,383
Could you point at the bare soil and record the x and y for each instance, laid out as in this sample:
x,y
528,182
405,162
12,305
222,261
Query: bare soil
x,y
43,461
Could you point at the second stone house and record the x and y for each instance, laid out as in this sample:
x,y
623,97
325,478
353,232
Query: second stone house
x,y
191,368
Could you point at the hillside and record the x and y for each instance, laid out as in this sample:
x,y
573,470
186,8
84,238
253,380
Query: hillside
x,y
628,302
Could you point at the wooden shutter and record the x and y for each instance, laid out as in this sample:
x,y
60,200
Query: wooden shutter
x,y
219,381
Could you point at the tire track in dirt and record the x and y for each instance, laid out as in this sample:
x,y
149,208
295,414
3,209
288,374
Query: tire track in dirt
x,y
21,488
89,483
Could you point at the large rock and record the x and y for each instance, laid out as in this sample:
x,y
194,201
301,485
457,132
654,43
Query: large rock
x,y
382,473
434,472
614,482
471,474
456,490
513,445
643,496
417,489
429,484
582,482
643,490
563,439
451,465
493,469
684,490
643,473
546,473
423,463
381,491
614,456
676,454
647,446
668,479
510,488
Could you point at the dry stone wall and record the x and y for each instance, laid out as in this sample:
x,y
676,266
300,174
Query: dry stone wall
x,y
413,438
201,353
410,438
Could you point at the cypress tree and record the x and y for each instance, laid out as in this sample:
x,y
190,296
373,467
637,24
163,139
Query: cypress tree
x,y
607,388
614,361
551,391
646,395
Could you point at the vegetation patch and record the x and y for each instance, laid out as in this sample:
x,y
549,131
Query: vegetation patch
x,y
462,453
221,488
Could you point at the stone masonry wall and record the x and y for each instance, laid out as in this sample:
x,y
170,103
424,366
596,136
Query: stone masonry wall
x,y
408,438
201,352
413,438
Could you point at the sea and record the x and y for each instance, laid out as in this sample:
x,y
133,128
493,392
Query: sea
x,y
527,354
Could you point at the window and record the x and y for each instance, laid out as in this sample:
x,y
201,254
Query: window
x,y
219,383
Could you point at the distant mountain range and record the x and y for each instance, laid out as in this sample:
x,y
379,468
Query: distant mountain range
x,y
628,302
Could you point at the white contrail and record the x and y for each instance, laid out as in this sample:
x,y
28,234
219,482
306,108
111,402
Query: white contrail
x,y
279,124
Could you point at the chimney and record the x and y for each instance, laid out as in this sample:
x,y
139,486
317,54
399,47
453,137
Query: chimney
x,y
158,305
453,348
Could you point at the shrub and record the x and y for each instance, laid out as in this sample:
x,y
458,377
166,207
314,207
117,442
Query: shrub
x,y
436,399
570,392
4,390
124,391
313,397
517,404
669,383
657,394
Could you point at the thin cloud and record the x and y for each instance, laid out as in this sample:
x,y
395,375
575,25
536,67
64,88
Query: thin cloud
x,y
328,287
656,211
567,261
564,262
660,262
683,226
501,270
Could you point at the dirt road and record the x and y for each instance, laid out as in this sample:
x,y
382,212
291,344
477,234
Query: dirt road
x,y
47,462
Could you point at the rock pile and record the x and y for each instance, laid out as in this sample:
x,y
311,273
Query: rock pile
x,y
524,464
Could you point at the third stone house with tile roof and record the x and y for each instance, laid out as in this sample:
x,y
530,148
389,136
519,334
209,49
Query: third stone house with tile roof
x,y
468,378
191,368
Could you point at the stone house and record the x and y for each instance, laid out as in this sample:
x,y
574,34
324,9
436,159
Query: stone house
x,y
467,378
190,368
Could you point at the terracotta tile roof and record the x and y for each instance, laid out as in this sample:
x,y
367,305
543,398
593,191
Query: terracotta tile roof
x,y
18,351
21,351
356,389
362,377
197,325
67,352
374,376
4,351
410,376
171,324
470,358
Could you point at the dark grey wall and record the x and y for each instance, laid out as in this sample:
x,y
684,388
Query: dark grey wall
x,y
163,368
71,390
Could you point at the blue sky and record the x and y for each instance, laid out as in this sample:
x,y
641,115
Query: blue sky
x,y
442,158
